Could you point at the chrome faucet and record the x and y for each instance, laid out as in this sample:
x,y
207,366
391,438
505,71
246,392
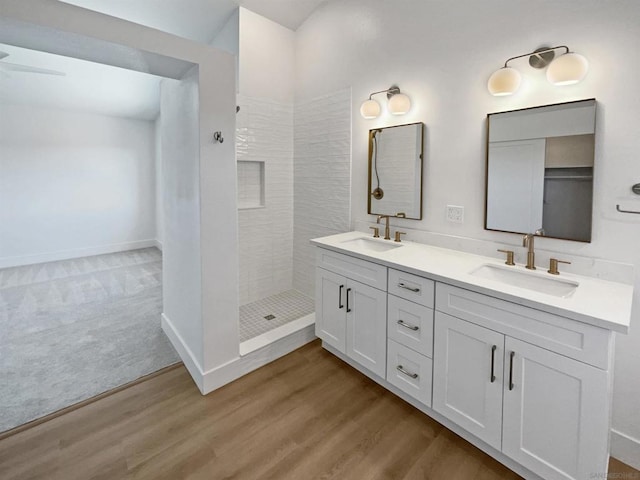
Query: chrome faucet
x,y
527,241
387,233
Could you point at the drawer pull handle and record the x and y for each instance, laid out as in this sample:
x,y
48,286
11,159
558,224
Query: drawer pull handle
x,y
348,309
412,289
340,305
493,354
401,369
511,385
402,323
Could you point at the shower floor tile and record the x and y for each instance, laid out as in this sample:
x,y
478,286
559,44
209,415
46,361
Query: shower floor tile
x,y
284,307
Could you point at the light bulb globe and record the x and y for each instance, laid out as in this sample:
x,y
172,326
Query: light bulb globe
x,y
503,82
567,69
399,104
370,109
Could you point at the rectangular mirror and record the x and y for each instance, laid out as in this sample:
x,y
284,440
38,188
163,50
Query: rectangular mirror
x,y
540,170
395,171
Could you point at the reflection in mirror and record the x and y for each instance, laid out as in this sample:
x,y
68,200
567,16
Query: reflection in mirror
x,y
540,170
395,171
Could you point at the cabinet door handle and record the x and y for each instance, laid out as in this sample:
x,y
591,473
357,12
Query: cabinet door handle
x,y
348,290
511,385
493,354
340,305
401,369
402,323
412,289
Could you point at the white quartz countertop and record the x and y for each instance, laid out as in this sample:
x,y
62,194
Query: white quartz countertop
x,y
596,302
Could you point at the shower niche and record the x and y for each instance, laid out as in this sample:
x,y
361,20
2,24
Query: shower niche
x,y
395,171
250,184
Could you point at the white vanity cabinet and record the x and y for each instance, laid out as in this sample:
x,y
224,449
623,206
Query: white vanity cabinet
x,y
351,308
524,383
542,409
468,377
410,334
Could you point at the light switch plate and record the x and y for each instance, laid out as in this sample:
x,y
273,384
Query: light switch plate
x,y
455,214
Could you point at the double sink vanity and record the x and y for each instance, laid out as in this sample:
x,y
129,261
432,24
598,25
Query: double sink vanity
x,y
518,362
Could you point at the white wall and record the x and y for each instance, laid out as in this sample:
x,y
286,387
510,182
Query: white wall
x,y
157,133
441,54
182,270
49,25
73,184
266,58
264,133
228,39
322,178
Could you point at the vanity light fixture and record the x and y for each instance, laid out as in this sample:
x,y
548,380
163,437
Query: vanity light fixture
x,y
567,69
399,103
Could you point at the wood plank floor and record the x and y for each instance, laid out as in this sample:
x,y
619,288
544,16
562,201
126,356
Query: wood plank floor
x,y
307,415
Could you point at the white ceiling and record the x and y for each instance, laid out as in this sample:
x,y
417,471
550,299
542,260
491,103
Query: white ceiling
x,y
87,86
200,20
107,90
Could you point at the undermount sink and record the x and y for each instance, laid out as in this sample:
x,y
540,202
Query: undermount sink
x,y
370,244
524,279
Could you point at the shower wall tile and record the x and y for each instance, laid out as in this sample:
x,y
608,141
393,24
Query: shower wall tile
x,y
322,178
264,133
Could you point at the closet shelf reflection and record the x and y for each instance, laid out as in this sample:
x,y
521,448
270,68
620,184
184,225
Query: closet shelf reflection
x,y
568,177
626,211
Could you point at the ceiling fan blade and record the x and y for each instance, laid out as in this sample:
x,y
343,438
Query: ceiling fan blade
x,y
3,55
14,67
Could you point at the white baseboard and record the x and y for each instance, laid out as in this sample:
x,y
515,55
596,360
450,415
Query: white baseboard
x,y
625,448
189,360
18,261
219,376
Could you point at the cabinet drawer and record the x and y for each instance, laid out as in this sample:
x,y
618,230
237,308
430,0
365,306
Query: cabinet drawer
x,y
357,269
410,324
573,339
412,287
409,371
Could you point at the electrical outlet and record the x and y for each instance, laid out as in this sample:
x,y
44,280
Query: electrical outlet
x,y
455,214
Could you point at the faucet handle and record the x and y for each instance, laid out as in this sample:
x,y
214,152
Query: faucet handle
x,y
553,266
509,256
398,233
376,232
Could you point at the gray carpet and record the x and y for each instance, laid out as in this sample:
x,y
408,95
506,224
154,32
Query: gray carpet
x,y
72,329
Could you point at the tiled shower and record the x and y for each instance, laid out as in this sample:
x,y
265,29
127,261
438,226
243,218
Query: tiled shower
x,y
288,157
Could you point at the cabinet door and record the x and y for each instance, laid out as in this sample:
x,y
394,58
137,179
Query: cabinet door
x,y
465,388
555,413
367,326
330,308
